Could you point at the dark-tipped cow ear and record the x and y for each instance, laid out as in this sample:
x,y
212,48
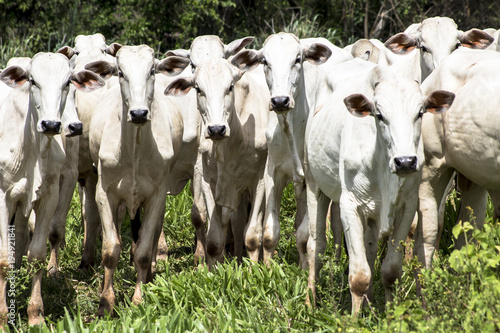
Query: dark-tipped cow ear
x,y
475,39
401,43
172,66
358,105
87,81
317,53
103,68
14,76
236,46
439,101
67,51
179,87
247,60
113,49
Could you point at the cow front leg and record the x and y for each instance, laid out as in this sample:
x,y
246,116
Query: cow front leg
x,y
317,207
275,182
111,248
360,273
37,251
253,232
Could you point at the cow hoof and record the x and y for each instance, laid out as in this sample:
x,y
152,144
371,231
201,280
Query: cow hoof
x,y
35,313
106,306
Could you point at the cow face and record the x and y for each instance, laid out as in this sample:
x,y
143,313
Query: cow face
x,y
49,76
282,57
398,106
135,67
437,37
214,83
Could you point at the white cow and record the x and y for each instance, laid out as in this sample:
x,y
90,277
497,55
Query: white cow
x,y
32,157
79,164
464,140
135,135
234,112
203,49
370,166
285,60
436,38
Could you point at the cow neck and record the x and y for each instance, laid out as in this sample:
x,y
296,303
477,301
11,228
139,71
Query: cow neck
x,y
390,187
293,123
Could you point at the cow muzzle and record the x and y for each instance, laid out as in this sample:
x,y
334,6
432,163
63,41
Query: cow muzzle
x,y
74,129
50,127
139,116
216,132
281,103
405,165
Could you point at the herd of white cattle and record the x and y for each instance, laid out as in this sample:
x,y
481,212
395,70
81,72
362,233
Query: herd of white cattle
x,y
375,130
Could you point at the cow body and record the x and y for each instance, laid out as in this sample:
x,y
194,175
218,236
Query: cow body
x,y
135,135
462,140
370,166
32,158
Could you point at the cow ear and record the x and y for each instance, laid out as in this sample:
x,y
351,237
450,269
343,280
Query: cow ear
x,y
358,105
475,39
113,49
179,87
236,46
178,53
366,50
439,101
87,81
247,60
14,76
103,68
172,66
401,43
67,51
317,53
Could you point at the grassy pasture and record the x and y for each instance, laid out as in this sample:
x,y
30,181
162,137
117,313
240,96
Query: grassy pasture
x,y
461,292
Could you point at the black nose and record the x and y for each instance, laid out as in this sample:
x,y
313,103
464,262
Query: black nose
x,y
139,116
75,129
281,103
405,164
51,127
216,132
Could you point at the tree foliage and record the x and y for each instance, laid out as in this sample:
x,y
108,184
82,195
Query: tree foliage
x,y
36,25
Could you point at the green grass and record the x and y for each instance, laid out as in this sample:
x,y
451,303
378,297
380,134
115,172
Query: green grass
x,y
461,291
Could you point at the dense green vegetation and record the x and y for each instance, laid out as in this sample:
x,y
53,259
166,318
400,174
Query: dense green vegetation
x,y
461,292
30,26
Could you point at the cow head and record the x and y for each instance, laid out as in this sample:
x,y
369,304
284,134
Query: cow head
x,y
437,37
282,57
204,48
49,76
398,106
135,67
214,83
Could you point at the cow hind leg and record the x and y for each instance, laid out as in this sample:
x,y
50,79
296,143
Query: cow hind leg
x,y
90,220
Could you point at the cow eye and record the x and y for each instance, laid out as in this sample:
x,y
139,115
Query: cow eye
x,y
379,117
424,49
231,87
120,74
420,113
153,71
264,62
297,61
